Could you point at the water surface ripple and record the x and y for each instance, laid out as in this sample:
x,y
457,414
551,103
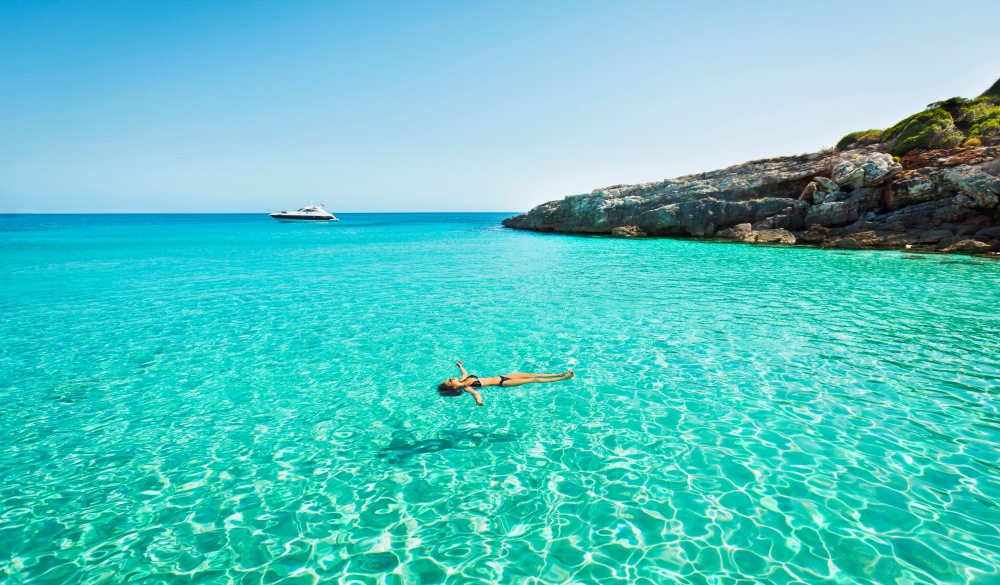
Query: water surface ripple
x,y
226,399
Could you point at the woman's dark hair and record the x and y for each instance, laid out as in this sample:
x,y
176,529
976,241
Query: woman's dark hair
x,y
446,390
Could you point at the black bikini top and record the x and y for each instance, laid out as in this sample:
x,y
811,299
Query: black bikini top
x,y
476,383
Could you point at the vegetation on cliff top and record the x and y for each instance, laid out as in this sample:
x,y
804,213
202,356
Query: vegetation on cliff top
x,y
945,124
993,91
860,138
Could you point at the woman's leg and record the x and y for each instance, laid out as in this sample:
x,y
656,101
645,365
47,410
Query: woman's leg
x,y
532,379
519,375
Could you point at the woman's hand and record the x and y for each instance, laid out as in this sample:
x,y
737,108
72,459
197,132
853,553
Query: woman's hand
x,y
459,363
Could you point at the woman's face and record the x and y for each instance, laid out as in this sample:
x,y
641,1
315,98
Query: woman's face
x,y
451,382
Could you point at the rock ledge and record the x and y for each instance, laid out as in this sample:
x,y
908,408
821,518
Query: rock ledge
x,y
944,200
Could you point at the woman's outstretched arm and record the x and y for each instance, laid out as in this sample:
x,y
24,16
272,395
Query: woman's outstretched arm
x,y
462,369
476,395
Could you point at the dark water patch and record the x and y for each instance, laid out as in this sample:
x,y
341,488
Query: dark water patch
x,y
401,450
382,562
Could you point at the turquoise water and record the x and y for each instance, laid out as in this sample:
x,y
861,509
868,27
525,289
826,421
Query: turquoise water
x,y
229,399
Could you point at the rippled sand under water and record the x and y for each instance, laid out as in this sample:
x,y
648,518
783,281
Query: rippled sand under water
x,y
228,399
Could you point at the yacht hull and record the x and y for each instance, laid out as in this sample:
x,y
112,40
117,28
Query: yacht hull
x,y
293,219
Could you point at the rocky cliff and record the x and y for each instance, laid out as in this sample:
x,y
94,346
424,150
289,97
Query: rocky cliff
x,y
857,197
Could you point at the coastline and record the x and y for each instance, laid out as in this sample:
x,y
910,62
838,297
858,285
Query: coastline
x,y
864,198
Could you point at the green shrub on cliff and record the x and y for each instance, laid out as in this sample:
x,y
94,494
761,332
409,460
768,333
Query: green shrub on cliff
x,y
993,91
971,111
952,105
946,124
987,125
933,128
860,138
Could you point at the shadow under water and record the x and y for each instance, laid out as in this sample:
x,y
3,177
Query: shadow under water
x,y
402,450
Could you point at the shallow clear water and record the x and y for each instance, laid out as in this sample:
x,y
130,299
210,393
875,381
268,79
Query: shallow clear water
x,y
230,399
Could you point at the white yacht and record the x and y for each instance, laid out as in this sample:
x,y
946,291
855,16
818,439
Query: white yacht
x,y
311,212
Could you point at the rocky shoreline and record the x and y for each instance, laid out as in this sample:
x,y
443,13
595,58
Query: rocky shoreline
x,y
940,200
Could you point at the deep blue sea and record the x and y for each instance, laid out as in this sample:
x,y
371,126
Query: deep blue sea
x,y
229,399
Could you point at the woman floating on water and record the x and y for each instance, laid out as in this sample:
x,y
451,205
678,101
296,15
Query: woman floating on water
x,y
469,382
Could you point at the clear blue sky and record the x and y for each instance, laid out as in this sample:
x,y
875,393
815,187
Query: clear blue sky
x,y
446,106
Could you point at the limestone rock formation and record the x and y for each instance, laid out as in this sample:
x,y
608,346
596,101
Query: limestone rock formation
x,y
835,213
775,236
809,192
693,205
828,197
934,236
847,244
742,233
865,170
628,231
745,232
979,183
861,198
971,246
827,185
816,234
